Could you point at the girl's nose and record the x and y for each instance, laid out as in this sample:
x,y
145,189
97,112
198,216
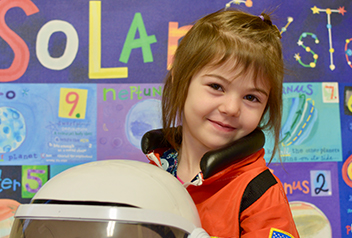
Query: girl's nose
x,y
230,107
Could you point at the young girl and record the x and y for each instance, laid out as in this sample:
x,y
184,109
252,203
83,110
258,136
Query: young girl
x,y
225,85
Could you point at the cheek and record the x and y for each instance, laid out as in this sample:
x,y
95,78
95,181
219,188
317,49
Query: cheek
x,y
195,110
253,118
195,102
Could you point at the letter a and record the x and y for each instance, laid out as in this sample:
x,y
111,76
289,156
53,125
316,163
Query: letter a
x,y
144,41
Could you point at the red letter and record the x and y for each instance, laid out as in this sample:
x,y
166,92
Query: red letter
x,y
19,47
175,34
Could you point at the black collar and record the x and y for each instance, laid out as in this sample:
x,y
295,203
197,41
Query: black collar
x,y
216,160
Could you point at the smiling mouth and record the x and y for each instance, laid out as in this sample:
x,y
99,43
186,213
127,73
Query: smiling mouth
x,y
222,125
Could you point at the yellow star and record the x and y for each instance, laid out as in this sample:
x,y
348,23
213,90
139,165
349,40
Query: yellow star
x,y
315,10
297,57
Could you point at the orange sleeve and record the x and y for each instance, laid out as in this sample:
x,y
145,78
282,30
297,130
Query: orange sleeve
x,y
269,215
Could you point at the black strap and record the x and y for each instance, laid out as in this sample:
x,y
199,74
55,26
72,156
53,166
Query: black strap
x,y
256,188
215,161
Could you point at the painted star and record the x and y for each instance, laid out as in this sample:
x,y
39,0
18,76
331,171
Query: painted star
x,y
299,42
342,10
297,57
25,92
315,10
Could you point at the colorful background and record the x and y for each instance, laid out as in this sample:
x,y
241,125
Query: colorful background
x,y
81,81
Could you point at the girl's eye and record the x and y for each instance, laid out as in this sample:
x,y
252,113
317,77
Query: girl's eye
x,y
215,86
251,98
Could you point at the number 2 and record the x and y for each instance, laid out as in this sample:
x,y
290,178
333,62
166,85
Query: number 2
x,y
321,188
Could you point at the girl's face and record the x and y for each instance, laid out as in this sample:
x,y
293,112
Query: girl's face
x,y
220,108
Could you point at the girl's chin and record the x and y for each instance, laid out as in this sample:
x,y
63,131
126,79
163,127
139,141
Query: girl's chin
x,y
221,142
218,145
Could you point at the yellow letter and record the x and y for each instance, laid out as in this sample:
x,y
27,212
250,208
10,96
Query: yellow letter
x,y
95,70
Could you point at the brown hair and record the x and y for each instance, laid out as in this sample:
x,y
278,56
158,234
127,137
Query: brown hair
x,y
252,42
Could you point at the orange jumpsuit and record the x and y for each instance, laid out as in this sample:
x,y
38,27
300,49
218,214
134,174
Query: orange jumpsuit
x,y
218,200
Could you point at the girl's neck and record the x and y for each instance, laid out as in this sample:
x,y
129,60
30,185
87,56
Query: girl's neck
x,y
189,162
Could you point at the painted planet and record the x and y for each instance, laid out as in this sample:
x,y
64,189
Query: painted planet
x,y
299,118
12,129
347,171
8,208
142,117
310,221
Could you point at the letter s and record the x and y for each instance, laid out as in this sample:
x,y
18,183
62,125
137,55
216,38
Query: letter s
x,y
21,53
305,184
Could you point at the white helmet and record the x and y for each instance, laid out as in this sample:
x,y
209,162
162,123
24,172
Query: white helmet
x,y
112,198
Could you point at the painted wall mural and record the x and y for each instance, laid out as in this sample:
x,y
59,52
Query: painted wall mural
x,y
81,81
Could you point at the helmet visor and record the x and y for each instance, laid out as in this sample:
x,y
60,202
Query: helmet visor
x,y
39,228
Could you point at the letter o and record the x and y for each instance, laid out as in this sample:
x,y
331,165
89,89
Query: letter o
x,y
42,44
10,95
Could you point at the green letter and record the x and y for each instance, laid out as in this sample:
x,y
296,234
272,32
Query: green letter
x,y
156,91
122,94
105,91
144,40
